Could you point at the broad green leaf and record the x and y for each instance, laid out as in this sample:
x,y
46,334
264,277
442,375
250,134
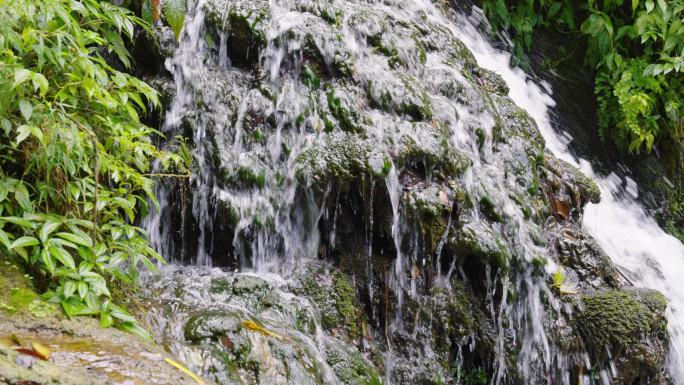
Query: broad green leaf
x,y
106,320
49,260
4,239
75,238
82,289
26,109
19,222
25,241
63,256
21,75
48,228
69,289
174,13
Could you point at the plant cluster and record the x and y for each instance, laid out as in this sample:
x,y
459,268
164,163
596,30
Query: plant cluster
x,y
74,156
637,50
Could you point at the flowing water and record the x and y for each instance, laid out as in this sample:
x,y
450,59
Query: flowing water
x,y
653,258
254,200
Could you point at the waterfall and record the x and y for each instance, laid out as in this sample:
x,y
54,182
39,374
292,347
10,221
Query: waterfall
x,y
267,137
653,258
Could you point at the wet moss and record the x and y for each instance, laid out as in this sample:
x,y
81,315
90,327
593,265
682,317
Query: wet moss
x,y
619,319
489,210
335,296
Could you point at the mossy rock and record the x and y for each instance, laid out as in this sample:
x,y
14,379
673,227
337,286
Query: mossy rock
x,y
335,296
212,324
349,366
632,326
341,157
428,143
402,94
490,81
572,181
244,23
478,240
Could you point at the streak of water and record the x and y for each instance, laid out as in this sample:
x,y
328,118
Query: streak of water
x,y
619,223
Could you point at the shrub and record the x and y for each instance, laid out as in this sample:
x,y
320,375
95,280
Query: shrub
x,y
74,156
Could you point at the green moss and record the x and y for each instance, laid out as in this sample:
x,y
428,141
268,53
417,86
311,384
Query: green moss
x,y
489,210
349,366
311,78
335,297
346,302
340,111
618,319
477,376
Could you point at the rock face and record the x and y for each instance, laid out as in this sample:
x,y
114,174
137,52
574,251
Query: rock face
x,y
365,135
81,352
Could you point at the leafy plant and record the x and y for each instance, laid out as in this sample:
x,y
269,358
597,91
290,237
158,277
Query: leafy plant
x,y
74,155
172,10
637,50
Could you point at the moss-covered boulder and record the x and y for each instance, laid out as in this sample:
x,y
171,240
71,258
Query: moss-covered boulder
x,y
627,327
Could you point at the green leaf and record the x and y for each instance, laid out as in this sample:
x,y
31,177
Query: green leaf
x,y
134,328
76,238
48,228
6,126
4,239
69,289
25,241
19,222
21,195
106,320
63,256
82,289
174,13
553,10
26,109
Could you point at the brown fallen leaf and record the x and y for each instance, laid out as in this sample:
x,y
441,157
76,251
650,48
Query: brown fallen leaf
x,y
561,209
29,352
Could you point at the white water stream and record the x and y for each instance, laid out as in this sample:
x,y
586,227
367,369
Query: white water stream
x,y
635,242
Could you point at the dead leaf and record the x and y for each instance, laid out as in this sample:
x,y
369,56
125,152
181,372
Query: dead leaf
x,y
184,370
42,350
30,352
444,199
227,343
16,340
253,326
561,209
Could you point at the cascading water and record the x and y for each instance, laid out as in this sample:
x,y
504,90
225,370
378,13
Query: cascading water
x,y
309,119
653,258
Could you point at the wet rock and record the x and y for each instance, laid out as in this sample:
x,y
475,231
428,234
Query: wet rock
x,y
569,181
212,324
82,352
244,24
341,157
480,241
581,253
490,81
630,326
335,296
402,94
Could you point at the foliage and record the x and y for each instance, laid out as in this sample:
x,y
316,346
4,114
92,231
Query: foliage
x,y
637,49
172,10
73,152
